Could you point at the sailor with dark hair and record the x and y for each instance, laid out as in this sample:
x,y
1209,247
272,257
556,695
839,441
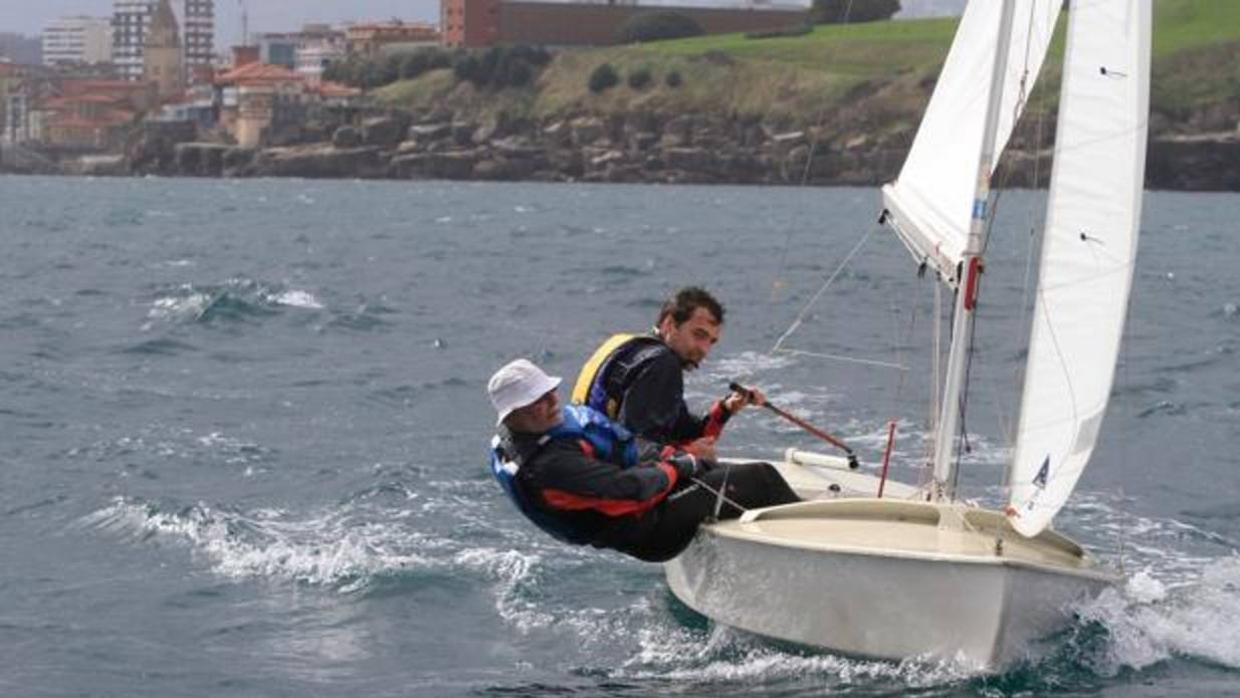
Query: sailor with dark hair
x,y
638,380
585,479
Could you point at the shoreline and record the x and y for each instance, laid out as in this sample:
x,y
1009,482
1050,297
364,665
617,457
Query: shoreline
x,y
584,153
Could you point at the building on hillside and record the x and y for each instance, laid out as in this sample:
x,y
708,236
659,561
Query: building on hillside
x,y
370,40
79,114
197,106
260,103
72,40
283,48
258,99
313,59
162,57
198,35
132,18
481,23
129,22
278,48
85,122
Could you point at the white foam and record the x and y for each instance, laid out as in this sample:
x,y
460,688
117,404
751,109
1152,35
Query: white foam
x,y
191,305
727,655
321,551
297,299
1149,622
512,570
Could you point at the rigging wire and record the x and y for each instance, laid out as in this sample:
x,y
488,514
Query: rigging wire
x,y
777,284
800,318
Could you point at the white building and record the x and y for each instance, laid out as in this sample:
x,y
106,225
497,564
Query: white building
x,y
77,40
315,56
130,19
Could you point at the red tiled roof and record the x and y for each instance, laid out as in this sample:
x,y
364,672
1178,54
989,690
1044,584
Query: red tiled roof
x,y
71,100
82,122
258,72
77,87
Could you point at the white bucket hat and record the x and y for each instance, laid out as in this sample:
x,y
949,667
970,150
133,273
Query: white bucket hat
x,y
517,384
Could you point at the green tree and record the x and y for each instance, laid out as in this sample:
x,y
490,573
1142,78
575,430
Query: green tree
x,y
603,78
640,79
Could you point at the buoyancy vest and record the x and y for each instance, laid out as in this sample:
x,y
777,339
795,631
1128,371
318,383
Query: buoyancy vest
x,y
591,386
606,440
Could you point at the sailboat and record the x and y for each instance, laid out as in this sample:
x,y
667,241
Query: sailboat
x,y
918,572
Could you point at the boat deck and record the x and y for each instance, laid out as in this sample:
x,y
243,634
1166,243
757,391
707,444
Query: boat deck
x,y
909,529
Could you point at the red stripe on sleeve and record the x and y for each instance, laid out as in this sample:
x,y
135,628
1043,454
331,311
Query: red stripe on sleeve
x,y
568,501
716,419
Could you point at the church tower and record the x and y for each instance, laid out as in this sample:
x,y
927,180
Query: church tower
x,y
162,60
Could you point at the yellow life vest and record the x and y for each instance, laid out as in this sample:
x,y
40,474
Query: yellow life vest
x,y
590,372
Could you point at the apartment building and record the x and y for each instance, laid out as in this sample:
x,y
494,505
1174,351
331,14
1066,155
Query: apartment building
x,y
74,40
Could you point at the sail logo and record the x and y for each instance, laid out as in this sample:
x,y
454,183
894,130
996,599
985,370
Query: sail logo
x,y
1043,473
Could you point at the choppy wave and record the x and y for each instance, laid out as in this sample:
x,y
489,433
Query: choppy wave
x,y
158,443
724,656
1149,621
237,299
330,550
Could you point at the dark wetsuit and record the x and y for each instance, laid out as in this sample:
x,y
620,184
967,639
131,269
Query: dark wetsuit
x,y
646,510
642,381
645,379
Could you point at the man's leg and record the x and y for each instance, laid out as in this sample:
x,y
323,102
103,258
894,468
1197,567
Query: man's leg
x,y
747,485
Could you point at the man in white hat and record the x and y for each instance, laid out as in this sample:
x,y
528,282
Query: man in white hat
x,y
585,479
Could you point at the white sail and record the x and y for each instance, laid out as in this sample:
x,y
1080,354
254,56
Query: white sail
x,y
1088,252
931,202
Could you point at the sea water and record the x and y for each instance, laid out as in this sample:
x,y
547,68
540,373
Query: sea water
x,y
244,431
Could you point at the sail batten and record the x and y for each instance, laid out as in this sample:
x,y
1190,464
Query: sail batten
x,y
1088,255
930,204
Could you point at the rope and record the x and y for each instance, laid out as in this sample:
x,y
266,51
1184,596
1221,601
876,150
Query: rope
x,y
721,496
845,359
800,318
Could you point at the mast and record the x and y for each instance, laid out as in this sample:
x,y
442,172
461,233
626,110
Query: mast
x,y
969,274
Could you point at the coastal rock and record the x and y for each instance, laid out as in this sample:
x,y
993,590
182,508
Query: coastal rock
x,y
558,133
463,132
678,132
452,165
99,166
788,140
587,130
200,159
641,141
602,160
319,161
500,168
384,131
690,159
18,159
430,132
1209,162
346,137
516,147
234,161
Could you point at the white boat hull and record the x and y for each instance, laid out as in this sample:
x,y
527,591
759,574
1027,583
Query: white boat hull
x,y
890,579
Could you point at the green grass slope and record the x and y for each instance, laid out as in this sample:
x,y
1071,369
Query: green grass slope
x,y
800,79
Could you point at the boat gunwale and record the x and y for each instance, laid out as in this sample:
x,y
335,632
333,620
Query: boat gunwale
x,y
1089,566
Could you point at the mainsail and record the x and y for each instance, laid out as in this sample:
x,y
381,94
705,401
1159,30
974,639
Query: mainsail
x,y
1088,252
931,203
